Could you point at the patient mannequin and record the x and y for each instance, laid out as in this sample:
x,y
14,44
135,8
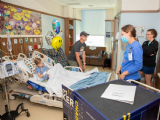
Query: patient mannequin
x,y
41,70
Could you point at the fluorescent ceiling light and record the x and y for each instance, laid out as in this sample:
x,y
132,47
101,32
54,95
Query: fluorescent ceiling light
x,y
90,5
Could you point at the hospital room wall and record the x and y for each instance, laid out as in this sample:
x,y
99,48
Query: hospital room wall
x,y
149,20
108,40
47,6
47,26
77,30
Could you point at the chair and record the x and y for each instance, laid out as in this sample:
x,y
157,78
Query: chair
x,y
58,56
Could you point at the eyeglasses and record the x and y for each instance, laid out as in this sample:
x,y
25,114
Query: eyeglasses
x,y
148,34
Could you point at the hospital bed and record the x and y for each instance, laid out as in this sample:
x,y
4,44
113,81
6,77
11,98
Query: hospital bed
x,y
38,93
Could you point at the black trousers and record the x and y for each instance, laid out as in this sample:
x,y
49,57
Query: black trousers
x,y
136,83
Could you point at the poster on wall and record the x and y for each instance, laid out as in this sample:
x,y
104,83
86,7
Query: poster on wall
x,y
108,34
139,30
20,21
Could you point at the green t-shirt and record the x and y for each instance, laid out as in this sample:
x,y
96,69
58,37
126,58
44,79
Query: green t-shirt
x,y
149,43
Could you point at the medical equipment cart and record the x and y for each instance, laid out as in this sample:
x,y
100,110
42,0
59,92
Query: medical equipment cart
x,y
8,69
87,104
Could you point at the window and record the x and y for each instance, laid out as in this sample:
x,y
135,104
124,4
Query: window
x,y
93,22
97,41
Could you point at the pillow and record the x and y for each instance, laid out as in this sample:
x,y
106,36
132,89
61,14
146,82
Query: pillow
x,y
30,63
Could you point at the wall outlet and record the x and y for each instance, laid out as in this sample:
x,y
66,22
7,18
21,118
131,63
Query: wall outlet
x,y
20,40
15,41
30,48
39,46
3,43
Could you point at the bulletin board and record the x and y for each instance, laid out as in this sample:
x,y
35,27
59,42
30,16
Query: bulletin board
x,y
140,30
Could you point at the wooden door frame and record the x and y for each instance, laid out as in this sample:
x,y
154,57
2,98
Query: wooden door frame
x,y
112,51
66,24
155,76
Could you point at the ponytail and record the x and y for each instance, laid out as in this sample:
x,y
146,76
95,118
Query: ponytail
x,y
136,39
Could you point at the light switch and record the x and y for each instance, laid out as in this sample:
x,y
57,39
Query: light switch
x,y
39,46
15,41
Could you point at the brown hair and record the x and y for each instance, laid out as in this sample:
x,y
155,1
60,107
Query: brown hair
x,y
130,28
153,32
37,61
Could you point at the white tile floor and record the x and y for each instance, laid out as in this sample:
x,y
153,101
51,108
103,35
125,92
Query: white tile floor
x,y
38,111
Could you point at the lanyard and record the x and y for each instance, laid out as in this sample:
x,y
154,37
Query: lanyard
x,y
130,49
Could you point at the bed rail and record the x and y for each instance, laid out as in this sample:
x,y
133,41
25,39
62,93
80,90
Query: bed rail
x,y
19,57
109,78
50,61
22,76
144,85
44,58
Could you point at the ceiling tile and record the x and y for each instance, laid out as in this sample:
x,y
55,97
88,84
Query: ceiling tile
x,y
78,6
85,3
103,5
113,2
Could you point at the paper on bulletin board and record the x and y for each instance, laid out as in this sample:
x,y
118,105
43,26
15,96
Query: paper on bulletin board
x,y
108,34
140,30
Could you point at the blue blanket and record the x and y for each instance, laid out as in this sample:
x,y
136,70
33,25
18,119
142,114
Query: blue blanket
x,y
95,79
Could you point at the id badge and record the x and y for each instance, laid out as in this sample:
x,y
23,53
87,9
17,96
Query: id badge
x,y
130,56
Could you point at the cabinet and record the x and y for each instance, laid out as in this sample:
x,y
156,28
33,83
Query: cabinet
x,y
69,35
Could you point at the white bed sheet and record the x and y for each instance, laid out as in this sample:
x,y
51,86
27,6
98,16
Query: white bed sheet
x,y
57,76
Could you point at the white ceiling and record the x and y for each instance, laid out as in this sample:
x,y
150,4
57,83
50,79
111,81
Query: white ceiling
x,y
84,4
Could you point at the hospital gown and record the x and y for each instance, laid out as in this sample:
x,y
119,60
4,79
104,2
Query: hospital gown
x,y
41,70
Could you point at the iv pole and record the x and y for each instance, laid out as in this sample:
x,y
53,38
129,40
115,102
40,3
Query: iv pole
x,y
10,115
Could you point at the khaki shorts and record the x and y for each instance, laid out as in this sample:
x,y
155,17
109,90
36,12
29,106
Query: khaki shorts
x,y
74,63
